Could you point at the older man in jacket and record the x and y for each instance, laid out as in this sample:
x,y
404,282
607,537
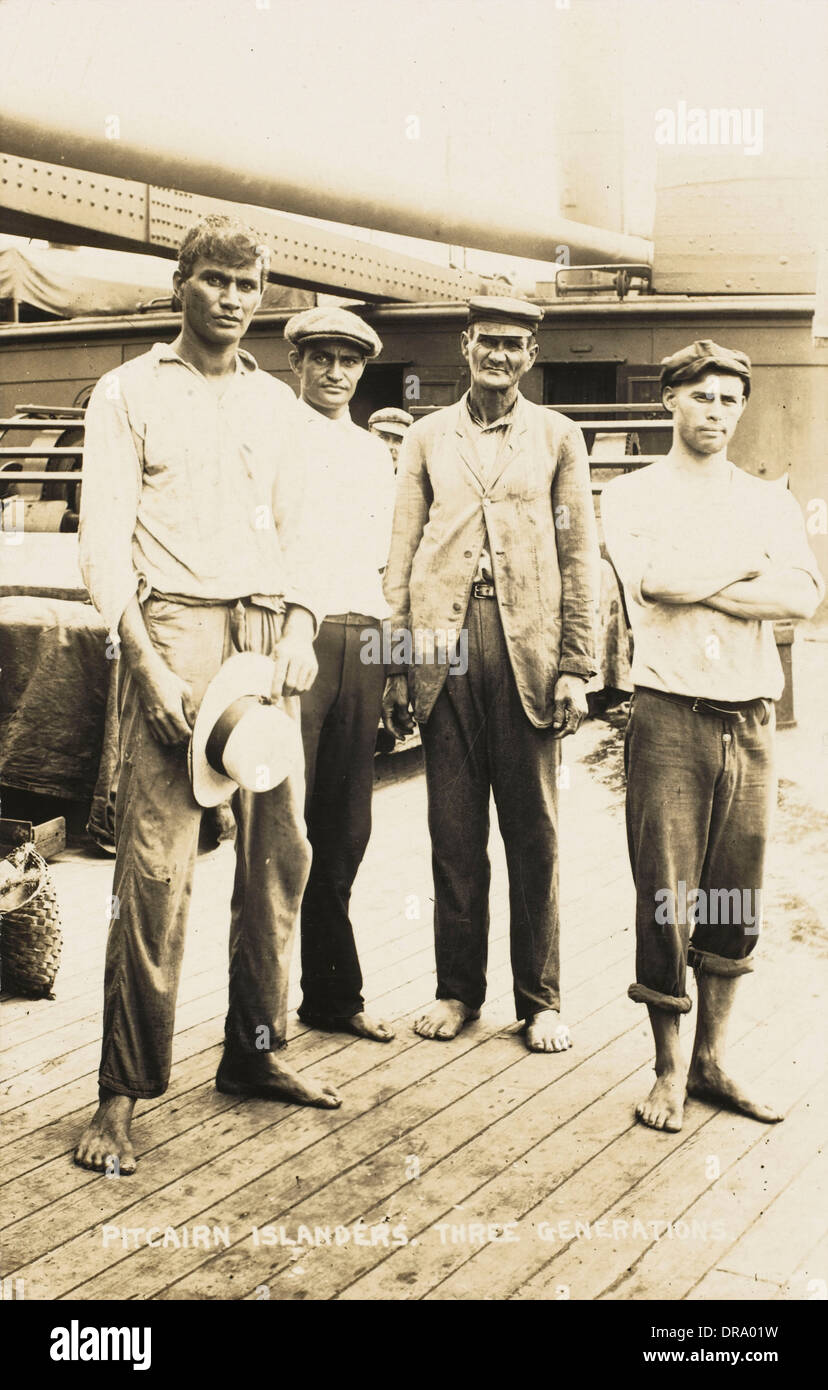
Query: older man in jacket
x,y
494,535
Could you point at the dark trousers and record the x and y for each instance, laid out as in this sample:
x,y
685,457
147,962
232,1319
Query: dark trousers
x,y
158,822
478,739
700,790
340,716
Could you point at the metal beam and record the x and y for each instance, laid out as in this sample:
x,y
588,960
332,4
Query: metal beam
x,y
363,199
73,204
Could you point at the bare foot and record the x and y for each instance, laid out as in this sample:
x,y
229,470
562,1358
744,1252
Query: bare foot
x,y
366,1027
105,1142
362,1024
707,1081
293,1087
269,1078
444,1019
664,1106
546,1033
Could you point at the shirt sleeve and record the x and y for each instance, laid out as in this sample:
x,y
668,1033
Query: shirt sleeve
x,y
384,493
631,540
294,514
110,496
578,558
789,547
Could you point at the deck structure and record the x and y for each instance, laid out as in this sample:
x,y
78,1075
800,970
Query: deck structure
x,y
462,1170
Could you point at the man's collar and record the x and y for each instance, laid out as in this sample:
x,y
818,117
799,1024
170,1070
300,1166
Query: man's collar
x,y
506,419
308,410
245,361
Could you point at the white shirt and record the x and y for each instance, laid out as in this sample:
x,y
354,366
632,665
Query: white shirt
x,y
192,493
688,648
352,487
488,440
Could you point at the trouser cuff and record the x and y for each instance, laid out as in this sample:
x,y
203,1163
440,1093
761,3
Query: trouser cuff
x,y
123,1088
671,1003
315,1017
234,1046
462,996
705,963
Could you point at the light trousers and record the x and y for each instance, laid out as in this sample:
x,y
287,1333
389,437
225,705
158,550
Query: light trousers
x,y
157,833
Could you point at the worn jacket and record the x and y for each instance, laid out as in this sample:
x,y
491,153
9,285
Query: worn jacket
x,y
535,515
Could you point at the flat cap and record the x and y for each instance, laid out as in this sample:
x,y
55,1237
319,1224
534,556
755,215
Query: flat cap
x,y
691,362
324,322
391,420
496,309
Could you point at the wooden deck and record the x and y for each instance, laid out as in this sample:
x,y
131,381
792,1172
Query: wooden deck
x,y
506,1175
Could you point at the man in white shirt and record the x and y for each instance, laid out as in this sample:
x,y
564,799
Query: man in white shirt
x,y
352,488
708,555
192,545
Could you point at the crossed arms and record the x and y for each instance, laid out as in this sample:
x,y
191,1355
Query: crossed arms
x,y
747,586
740,575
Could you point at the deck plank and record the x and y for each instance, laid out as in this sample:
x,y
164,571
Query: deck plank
x,y
734,1203
786,1230
473,1131
809,1280
722,1285
640,1176
241,1153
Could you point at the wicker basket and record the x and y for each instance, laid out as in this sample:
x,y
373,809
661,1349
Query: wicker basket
x,y
30,936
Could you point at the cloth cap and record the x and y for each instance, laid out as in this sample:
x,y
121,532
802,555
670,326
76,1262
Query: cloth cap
x,y
506,313
391,420
323,322
691,362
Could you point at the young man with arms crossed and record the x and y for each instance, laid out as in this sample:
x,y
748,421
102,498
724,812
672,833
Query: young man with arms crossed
x,y
708,556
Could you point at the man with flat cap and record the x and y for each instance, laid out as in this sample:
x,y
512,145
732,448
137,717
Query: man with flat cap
x,y
494,533
391,426
708,555
353,490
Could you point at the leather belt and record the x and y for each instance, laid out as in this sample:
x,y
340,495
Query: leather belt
x,y
730,709
192,602
481,590
352,619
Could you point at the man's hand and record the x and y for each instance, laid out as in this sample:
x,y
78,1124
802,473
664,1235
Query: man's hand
x,y
168,704
396,710
570,707
295,659
167,700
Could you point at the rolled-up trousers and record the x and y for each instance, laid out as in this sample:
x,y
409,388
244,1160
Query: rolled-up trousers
x,y
700,791
478,740
158,823
340,716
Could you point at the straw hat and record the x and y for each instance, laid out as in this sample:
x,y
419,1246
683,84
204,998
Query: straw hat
x,y
239,738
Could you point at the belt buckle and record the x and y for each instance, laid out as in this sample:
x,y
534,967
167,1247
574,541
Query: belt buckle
x,y
710,707
480,589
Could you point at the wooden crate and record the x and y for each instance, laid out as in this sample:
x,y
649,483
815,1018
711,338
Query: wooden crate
x,y
48,837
